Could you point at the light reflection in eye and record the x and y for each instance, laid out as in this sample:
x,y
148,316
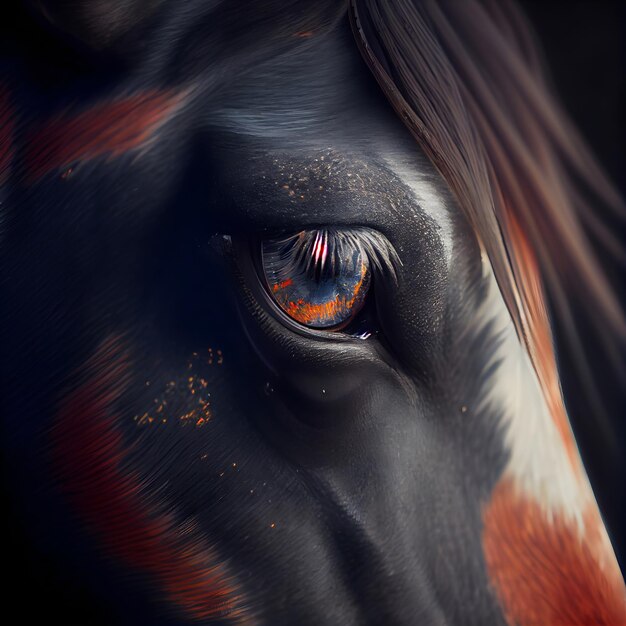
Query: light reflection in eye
x,y
320,278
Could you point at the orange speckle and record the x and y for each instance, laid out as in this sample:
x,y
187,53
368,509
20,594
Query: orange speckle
x,y
282,285
92,464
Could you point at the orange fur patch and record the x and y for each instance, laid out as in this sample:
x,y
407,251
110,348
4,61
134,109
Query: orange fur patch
x,y
91,460
109,128
543,572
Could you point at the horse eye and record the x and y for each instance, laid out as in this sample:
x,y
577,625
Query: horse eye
x,y
319,278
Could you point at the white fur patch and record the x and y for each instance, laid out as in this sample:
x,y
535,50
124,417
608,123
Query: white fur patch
x,y
539,463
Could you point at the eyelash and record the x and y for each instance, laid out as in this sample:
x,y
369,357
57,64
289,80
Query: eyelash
x,y
372,245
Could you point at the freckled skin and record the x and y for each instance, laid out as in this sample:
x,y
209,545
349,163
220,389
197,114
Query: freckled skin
x,y
333,480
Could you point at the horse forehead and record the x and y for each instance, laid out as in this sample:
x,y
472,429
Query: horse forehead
x,y
100,21
172,80
128,29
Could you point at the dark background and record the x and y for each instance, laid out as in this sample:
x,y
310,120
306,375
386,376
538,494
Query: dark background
x,y
585,51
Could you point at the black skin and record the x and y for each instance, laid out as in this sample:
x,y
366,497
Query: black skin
x,y
358,451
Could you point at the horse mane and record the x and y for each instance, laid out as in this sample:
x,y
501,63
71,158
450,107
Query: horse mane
x,y
467,80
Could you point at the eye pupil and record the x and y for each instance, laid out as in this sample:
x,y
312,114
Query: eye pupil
x,y
317,277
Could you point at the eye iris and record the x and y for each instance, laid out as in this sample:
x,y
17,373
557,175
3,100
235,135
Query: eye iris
x,y
316,279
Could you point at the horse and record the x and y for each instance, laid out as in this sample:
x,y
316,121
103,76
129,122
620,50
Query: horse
x,y
275,338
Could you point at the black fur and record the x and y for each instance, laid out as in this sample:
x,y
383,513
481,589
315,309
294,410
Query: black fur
x,y
366,455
